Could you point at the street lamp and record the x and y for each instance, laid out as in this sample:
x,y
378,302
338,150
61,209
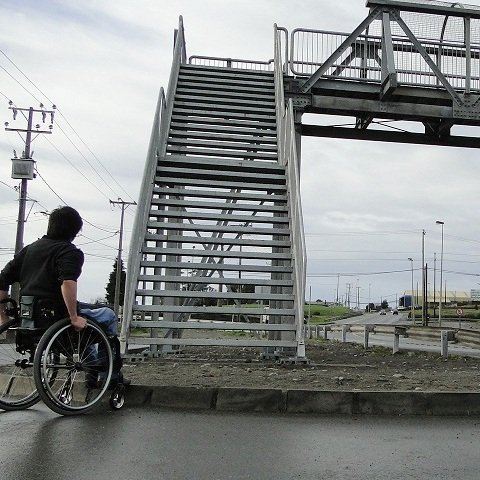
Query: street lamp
x,y
438,222
412,297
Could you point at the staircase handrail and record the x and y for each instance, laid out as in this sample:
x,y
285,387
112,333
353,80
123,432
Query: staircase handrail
x,y
157,148
229,62
287,155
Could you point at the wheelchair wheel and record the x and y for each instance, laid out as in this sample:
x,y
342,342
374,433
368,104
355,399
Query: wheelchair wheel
x,y
72,370
17,385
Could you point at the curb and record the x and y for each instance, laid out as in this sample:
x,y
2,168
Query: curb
x,y
266,400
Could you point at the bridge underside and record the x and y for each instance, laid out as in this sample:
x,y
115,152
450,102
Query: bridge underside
x,y
412,62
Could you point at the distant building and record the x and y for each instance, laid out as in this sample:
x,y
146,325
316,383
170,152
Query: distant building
x,y
448,297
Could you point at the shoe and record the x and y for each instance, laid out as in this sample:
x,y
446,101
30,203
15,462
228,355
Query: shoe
x,y
123,380
118,378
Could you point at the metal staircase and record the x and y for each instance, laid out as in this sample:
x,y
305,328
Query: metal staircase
x,y
212,244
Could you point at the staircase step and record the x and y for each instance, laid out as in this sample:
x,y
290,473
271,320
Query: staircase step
x,y
191,324
229,128
238,89
237,165
255,102
252,207
197,279
224,106
217,295
225,176
176,181
183,239
214,143
268,269
187,150
235,195
271,312
230,217
223,136
212,114
244,254
227,228
268,126
219,81
218,342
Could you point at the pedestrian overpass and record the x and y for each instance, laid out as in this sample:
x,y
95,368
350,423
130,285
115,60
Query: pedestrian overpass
x,y
218,239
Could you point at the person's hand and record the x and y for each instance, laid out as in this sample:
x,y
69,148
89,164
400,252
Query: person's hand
x,y
78,323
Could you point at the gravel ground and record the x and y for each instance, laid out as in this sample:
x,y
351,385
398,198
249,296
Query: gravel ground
x,y
332,366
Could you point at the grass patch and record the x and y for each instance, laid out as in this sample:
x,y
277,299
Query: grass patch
x,y
321,314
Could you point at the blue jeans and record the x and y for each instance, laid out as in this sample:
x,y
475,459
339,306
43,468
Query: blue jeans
x,y
103,316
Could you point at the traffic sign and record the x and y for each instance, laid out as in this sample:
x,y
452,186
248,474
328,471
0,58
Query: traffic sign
x,y
459,311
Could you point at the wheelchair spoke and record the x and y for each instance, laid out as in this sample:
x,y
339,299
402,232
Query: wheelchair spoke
x,y
80,369
17,386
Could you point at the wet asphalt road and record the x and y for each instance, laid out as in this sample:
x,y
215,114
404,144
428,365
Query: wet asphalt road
x,y
139,444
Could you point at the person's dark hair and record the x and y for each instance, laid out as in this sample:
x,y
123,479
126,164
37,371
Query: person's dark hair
x,y
64,224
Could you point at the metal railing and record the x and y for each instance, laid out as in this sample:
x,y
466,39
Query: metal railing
x,y
362,61
225,62
287,156
157,148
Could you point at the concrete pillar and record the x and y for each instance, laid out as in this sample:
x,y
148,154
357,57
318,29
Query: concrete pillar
x,y
366,333
396,342
444,343
344,333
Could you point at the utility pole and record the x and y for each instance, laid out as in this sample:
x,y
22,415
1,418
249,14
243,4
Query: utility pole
x,y
424,322
22,168
124,206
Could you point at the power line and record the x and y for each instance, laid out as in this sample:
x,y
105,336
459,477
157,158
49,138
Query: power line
x,y
75,167
69,124
51,189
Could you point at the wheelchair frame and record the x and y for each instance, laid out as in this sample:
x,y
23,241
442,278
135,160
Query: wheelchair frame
x,y
49,360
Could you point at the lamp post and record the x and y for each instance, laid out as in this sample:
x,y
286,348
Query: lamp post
x,y
412,296
438,222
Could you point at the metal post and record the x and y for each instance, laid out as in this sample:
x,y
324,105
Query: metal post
x,y
124,205
434,284
412,299
423,279
438,222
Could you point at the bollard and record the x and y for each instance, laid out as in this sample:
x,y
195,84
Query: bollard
x,y
325,333
344,333
366,332
396,343
444,343
317,329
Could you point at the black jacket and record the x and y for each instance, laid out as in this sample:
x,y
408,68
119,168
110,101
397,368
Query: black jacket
x,y
41,267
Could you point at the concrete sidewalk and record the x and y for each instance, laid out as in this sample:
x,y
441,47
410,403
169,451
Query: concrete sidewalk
x,y
267,400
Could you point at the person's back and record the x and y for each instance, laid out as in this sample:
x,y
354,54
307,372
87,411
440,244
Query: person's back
x,y
50,267
41,267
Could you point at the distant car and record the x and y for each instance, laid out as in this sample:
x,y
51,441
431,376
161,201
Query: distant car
x,y
395,312
383,312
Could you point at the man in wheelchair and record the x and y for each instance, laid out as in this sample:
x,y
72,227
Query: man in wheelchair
x,y
47,271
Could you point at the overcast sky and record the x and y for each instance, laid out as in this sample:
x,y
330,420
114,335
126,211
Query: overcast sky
x,y
103,63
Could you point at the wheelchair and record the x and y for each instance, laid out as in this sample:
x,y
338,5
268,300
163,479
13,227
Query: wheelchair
x,y
43,358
